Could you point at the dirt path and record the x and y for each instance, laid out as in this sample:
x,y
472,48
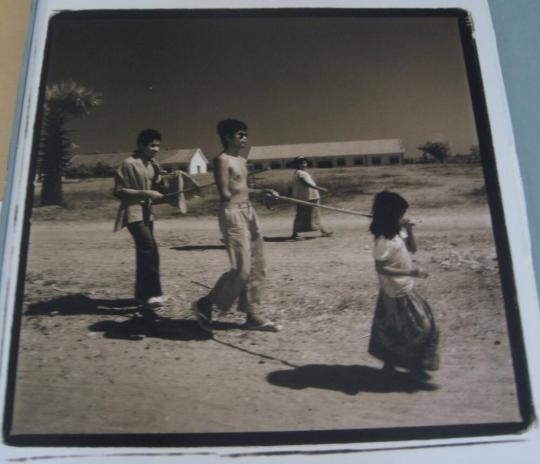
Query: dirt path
x,y
87,365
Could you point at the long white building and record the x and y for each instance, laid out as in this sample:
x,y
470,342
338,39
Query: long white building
x,y
329,154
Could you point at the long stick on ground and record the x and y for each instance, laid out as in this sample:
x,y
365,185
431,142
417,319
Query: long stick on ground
x,y
200,284
331,208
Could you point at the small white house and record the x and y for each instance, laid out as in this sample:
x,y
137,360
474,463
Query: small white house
x,y
329,154
190,160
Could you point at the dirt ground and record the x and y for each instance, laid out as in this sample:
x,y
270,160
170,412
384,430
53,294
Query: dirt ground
x,y
88,364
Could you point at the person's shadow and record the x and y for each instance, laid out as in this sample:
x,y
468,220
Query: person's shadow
x,y
285,239
350,380
140,327
77,304
198,247
139,322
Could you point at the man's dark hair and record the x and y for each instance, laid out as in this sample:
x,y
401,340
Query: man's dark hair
x,y
388,207
146,136
229,127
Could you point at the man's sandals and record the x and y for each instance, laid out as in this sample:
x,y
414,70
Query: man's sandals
x,y
263,326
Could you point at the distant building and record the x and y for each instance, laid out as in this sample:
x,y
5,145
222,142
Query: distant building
x,y
90,161
190,160
329,154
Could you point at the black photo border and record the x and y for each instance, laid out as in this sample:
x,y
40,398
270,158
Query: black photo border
x,y
310,437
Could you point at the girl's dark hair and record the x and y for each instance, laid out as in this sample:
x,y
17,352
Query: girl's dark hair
x,y
146,136
229,127
388,207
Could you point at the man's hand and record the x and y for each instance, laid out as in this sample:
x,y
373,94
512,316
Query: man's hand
x,y
153,195
417,272
269,197
272,194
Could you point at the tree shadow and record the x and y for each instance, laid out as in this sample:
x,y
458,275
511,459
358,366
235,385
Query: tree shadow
x,y
350,380
138,328
78,303
198,247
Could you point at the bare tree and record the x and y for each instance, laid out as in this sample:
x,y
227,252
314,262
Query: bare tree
x,y
63,102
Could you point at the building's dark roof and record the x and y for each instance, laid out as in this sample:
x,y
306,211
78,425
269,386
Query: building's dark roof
x,y
314,150
180,156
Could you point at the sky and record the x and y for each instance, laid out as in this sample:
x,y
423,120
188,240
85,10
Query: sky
x,y
291,79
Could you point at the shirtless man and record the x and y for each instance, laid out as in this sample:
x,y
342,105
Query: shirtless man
x,y
241,234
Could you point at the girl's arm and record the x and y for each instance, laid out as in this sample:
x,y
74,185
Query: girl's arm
x,y
410,241
382,268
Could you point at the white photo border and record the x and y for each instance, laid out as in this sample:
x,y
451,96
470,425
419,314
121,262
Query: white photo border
x,y
518,447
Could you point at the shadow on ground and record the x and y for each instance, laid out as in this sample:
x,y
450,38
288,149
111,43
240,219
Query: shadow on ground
x,y
286,239
222,247
138,328
81,304
198,247
346,379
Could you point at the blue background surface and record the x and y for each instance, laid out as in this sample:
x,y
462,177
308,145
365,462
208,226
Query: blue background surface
x,y
517,28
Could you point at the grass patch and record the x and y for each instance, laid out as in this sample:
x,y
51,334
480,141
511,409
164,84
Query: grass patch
x,y
479,192
425,186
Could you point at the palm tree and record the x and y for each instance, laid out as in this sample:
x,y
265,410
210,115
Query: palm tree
x,y
63,101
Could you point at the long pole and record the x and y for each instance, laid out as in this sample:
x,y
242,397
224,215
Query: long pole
x,y
331,208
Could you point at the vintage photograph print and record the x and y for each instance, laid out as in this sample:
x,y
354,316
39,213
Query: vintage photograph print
x,y
263,227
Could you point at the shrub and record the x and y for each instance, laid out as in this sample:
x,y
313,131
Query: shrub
x,y
84,172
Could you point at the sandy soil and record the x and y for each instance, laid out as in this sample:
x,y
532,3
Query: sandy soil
x,y
88,364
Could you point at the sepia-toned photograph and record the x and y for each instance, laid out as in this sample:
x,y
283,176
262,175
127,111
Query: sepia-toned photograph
x,y
263,226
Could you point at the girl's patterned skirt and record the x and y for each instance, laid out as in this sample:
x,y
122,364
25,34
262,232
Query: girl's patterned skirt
x,y
404,333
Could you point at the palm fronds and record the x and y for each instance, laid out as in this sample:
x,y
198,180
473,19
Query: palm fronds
x,y
67,100
63,101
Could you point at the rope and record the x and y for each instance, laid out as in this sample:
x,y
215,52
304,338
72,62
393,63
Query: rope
x,y
194,189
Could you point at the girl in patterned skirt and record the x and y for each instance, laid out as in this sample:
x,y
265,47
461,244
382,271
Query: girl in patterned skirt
x,y
403,332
